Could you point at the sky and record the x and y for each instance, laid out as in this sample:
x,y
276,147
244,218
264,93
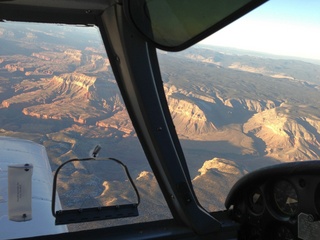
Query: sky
x,y
281,27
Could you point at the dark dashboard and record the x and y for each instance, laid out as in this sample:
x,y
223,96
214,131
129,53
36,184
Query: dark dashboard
x,y
278,202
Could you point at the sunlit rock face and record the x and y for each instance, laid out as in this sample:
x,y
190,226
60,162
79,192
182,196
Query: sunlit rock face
x,y
218,176
189,118
287,136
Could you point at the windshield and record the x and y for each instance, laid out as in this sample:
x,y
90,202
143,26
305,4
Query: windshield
x,y
57,89
247,97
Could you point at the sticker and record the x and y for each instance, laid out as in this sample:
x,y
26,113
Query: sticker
x,y
20,192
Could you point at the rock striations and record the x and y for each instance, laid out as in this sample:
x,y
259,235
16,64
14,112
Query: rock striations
x,y
233,113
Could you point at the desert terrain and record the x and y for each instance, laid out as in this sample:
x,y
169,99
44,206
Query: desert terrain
x,y
233,113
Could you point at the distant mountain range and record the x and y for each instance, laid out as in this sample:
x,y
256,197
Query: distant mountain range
x,y
233,113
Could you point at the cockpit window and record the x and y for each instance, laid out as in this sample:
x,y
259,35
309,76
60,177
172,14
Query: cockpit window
x,y
247,97
57,89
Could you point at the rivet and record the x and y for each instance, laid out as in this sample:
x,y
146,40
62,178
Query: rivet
x,y
26,165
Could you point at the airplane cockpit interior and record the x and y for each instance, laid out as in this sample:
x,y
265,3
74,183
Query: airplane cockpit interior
x,y
159,119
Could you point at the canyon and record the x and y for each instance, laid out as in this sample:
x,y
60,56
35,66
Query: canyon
x,y
233,113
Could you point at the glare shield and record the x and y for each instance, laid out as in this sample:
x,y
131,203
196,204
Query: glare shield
x,y
177,24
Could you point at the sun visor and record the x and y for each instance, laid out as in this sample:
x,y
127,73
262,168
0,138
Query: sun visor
x,y
174,25
20,192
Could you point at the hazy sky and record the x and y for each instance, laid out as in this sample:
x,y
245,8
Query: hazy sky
x,y
282,27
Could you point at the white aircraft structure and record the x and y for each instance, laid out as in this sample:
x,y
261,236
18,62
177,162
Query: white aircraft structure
x,y
25,190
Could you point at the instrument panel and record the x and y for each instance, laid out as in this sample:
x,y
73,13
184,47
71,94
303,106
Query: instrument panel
x,y
278,202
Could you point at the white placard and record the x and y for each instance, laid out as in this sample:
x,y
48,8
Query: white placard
x,y
20,192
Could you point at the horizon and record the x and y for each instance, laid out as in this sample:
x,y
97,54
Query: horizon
x,y
281,28
253,53
284,18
